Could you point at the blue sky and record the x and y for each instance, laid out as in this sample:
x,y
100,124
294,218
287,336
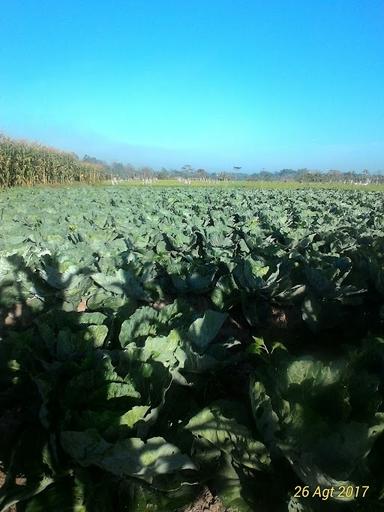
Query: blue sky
x,y
211,83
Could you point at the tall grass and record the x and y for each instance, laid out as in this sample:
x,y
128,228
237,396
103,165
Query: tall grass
x,y
24,163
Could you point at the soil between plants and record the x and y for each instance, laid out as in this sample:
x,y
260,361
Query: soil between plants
x,y
206,502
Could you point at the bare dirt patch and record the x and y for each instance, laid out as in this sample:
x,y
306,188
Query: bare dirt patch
x,y
206,502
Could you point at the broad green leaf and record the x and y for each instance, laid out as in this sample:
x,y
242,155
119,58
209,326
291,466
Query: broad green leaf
x,y
129,457
66,495
136,414
95,334
218,424
203,330
123,282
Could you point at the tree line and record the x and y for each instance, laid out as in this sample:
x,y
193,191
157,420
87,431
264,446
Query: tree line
x,y
25,163
187,172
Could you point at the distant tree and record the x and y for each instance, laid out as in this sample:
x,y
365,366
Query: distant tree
x,y
187,171
93,160
129,171
265,175
164,174
117,169
224,176
201,174
146,172
287,174
333,175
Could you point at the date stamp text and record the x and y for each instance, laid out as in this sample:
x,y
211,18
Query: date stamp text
x,y
325,493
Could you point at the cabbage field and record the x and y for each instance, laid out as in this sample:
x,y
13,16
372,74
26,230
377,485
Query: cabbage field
x,y
159,343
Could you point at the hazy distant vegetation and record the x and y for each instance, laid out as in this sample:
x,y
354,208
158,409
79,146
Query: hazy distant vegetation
x,y
25,163
128,171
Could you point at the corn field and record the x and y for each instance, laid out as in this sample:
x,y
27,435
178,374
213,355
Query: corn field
x,y
23,163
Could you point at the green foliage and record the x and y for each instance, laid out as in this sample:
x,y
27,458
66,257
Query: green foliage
x,y
23,163
155,342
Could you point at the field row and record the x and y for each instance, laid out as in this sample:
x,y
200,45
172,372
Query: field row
x,y
158,341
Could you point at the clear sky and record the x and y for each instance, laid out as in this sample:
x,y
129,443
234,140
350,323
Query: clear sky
x,y
212,83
